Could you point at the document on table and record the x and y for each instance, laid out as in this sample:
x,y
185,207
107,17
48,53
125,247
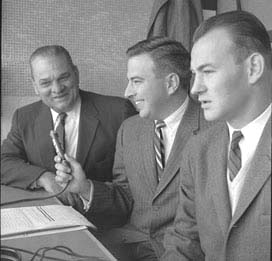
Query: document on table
x,y
25,220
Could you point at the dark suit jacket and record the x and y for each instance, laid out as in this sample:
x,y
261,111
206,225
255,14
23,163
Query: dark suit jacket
x,y
135,169
28,150
204,227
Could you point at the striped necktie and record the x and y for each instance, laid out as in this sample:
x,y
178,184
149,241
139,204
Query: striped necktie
x,y
159,148
60,130
234,163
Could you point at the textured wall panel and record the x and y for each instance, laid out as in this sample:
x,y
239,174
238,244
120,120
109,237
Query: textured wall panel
x,y
96,32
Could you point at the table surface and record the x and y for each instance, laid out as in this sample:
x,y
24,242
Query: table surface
x,y
81,241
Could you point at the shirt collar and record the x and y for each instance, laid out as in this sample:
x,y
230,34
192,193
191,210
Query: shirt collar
x,y
73,114
254,127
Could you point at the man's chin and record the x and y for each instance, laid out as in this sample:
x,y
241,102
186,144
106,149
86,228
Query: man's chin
x,y
209,116
142,114
63,108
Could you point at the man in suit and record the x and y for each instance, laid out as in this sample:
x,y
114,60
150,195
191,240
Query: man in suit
x,y
158,75
225,187
91,125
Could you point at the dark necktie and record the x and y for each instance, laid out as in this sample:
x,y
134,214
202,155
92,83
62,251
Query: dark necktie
x,y
60,130
234,163
159,148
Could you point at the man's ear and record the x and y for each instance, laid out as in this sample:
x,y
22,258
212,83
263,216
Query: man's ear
x,y
35,86
75,69
172,83
256,63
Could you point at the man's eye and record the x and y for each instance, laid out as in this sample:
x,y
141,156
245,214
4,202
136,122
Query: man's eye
x,y
208,71
64,78
136,82
45,84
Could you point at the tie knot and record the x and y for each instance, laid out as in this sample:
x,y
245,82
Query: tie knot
x,y
62,116
160,124
236,137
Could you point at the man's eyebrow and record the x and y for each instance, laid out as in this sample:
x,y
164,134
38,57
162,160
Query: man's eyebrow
x,y
201,67
64,73
44,80
135,77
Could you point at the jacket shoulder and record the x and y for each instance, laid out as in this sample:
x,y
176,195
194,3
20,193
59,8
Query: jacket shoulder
x,y
133,121
108,104
210,134
30,110
100,99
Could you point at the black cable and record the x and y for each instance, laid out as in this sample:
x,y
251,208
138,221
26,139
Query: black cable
x,y
62,249
34,199
30,252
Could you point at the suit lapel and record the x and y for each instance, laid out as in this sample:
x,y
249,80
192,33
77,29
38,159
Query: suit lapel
x,y
87,128
258,173
187,126
43,125
146,150
217,167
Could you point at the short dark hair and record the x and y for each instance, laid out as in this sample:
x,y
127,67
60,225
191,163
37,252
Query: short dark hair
x,y
248,33
168,56
50,51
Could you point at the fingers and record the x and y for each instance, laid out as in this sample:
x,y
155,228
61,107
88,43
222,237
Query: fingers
x,y
63,167
63,172
57,159
62,178
68,159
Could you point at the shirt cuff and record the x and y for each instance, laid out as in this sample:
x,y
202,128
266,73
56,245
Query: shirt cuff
x,y
87,202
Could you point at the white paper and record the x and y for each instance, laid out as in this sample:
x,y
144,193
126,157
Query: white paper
x,y
36,218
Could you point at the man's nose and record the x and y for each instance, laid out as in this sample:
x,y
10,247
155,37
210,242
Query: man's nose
x,y
197,85
56,87
129,91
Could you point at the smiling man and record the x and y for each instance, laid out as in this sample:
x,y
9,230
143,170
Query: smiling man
x,y
91,125
225,188
148,150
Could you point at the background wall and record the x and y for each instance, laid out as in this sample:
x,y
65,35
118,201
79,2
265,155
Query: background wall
x,y
95,32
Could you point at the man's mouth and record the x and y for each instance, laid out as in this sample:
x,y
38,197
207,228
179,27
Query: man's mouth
x,y
137,102
204,103
60,96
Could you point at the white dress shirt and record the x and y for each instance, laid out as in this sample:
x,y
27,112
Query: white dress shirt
x,y
169,131
71,141
71,128
251,136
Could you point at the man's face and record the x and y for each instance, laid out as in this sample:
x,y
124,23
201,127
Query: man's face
x,y
56,82
220,83
146,89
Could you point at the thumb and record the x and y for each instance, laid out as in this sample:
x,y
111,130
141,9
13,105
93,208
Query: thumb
x,y
71,162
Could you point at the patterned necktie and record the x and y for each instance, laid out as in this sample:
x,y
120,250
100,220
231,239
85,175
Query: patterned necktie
x,y
234,163
159,148
60,130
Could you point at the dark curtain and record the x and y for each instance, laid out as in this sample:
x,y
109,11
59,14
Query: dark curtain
x,y
176,19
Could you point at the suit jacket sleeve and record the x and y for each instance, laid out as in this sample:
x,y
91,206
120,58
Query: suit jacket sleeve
x,y
112,201
182,239
15,167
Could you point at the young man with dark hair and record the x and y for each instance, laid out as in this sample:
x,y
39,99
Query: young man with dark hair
x,y
224,208
148,150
